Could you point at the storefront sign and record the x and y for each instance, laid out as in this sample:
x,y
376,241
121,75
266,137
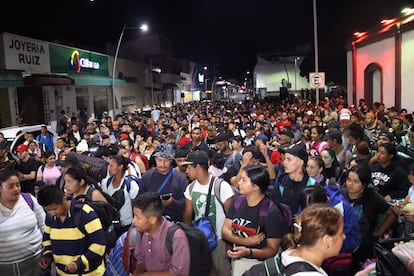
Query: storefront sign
x,y
22,53
69,60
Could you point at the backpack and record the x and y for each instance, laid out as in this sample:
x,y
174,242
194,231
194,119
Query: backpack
x,y
118,198
105,214
28,198
97,167
217,189
265,207
201,262
144,159
273,267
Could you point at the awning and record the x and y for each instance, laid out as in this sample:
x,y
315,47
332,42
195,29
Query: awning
x,y
43,80
94,80
11,79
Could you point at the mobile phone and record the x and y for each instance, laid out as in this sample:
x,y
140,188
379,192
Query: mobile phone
x,y
166,196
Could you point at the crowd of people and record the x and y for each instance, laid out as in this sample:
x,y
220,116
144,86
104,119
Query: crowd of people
x,y
345,173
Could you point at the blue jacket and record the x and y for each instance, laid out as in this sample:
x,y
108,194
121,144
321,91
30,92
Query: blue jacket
x,y
351,226
46,140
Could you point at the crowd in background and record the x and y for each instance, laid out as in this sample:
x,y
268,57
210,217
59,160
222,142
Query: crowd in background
x,y
358,159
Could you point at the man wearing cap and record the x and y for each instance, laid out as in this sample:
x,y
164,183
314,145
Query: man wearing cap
x,y
27,168
196,194
289,185
107,149
45,138
167,181
230,156
335,143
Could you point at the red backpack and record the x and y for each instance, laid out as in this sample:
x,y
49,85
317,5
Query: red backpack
x,y
144,159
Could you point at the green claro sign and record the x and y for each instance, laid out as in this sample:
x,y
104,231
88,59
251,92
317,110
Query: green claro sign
x,y
75,61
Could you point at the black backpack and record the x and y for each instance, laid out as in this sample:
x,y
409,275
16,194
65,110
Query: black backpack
x,y
199,248
106,215
274,267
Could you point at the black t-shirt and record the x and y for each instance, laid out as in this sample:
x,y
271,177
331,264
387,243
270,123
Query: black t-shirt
x,y
391,180
26,168
246,222
289,192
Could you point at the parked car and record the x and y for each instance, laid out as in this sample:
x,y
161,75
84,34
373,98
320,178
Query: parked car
x,y
15,134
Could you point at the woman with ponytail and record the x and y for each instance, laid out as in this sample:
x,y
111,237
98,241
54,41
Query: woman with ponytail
x,y
318,235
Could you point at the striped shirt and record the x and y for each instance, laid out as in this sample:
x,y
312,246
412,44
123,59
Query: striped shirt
x,y
20,231
67,243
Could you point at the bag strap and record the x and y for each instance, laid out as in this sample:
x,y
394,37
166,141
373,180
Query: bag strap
x,y
166,180
217,189
128,259
298,267
265,207
238,201
169,237
28,198
209,197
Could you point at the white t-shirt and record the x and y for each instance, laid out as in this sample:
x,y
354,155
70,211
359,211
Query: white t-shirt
x,y
199,198
411,194
126,209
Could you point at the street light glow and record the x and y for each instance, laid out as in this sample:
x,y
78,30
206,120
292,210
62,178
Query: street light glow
x,y
144,27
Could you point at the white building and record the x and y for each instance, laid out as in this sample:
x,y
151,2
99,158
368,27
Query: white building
x,y
380,64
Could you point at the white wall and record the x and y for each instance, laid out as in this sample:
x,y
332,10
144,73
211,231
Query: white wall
x,y
407,71
271,75
137,90
382,53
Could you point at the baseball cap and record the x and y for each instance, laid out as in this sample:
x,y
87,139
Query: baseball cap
x,y
221,137
335,135
344,117
390,136
262,137
21,148
288,133
334,124
299,151
211,127
163,151
196,157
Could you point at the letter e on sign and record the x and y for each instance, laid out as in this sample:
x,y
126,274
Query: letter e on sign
x,y
317,80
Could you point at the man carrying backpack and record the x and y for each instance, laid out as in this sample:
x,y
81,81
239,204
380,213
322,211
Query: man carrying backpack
x,y
221,199
151,252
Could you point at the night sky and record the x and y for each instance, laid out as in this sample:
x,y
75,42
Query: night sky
x,y
228,33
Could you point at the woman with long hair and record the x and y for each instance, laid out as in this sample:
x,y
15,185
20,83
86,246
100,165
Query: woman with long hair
x,y
318,236
370,208
253,224
331,169
76,184
317,144
314,168
49,172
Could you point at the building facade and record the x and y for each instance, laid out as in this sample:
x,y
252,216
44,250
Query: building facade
x,y
380,64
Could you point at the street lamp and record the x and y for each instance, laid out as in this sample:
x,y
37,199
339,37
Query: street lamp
x,y
315,37
296,61
143,28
